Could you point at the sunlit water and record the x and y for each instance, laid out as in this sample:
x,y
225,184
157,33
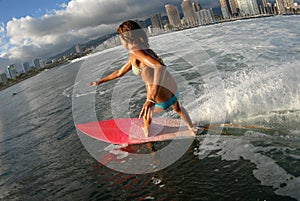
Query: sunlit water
x,y
246,73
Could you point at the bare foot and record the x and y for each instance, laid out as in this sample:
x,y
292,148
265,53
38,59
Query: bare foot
x,y
146,131
195,129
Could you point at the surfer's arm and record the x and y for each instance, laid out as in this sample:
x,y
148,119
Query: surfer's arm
x,y
116,74
159,72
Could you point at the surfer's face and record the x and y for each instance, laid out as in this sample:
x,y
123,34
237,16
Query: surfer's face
x,y
127,43
124,42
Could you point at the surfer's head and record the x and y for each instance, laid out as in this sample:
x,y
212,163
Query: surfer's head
x,y
131,34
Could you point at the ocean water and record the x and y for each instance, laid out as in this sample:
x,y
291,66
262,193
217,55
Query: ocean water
x,y
243,73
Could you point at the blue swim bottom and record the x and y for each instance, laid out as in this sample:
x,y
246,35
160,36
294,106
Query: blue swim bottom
x,y
165,105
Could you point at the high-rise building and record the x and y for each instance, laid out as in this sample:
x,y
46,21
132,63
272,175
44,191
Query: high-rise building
x,y
36,63
78,49
267,6
11,69
248,7
254,7
230,8
42,63
211,15
291,3
225,9
272,8
173,15
281,5
189,13
205,16
285,6
150,30
3,78
262,6
26,67
233,7
156,22
286,3
197,6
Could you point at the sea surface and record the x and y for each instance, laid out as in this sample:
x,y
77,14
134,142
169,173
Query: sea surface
x,y
245,74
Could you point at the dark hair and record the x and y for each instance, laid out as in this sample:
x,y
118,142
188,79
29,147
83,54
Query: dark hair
x,y
132,32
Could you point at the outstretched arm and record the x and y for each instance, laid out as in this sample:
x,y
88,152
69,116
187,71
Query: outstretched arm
x,y
116,74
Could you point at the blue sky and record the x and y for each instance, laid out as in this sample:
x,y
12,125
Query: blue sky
x,y
21,8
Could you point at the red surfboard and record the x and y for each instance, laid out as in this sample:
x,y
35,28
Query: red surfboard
x,y
129,130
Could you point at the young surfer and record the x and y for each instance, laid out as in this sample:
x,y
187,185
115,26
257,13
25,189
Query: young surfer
x,y
162,90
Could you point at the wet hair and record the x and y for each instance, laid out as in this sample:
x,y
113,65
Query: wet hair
x,y
132,32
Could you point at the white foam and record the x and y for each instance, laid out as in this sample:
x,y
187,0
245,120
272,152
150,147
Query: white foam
x,y
69,90
258,75
267,171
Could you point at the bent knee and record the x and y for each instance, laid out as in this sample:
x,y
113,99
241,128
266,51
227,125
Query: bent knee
x,y
176,107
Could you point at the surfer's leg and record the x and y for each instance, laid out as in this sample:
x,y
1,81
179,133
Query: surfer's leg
x,y
183,115
146,125
157,110
147,122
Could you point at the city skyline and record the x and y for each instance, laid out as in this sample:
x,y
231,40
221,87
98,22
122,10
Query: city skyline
x,y
46,34
56,26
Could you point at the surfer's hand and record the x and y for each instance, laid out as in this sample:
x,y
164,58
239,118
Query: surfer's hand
x,y
96,83
146,111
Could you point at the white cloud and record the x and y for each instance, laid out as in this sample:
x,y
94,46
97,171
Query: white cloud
x,y
3,42
63,5
2,27
76,22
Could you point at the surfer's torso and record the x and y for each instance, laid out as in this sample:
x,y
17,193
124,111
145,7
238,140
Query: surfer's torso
x,y
169,86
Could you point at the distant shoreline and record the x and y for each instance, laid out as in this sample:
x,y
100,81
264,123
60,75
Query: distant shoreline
x,y
12,83
32,73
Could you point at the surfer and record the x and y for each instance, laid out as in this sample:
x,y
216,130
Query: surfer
x,y
161,87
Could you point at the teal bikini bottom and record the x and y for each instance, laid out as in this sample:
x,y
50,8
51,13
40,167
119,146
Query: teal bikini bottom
x,y
165,105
